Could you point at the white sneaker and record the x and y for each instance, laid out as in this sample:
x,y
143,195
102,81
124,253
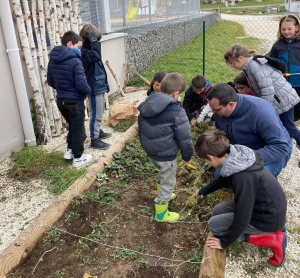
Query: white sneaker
x,y
68,154
84,159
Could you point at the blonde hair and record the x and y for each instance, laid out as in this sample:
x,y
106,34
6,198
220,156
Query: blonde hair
x,y
83,30
172,82
288,18
237,50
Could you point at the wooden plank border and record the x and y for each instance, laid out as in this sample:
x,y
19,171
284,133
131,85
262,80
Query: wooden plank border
x,y
18,251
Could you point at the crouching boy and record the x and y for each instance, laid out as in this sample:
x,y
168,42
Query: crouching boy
x,y
257,213
164,130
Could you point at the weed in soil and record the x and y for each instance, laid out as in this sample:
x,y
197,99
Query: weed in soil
x,y
109,231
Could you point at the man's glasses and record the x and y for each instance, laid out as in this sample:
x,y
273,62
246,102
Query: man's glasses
x,y
240,88
216,110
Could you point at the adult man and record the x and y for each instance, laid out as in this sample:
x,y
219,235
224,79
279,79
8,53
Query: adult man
x,y
252,122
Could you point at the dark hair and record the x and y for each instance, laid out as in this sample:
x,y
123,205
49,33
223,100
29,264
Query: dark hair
x,y
159,76
172,82
70,36
199,82
223,92
235,51
213,142
83,30
241,79
288,18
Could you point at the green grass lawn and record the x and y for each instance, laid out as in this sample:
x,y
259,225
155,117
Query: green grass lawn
x,y
242,4
188,59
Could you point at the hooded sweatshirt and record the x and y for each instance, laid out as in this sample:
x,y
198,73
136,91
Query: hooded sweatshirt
x,y
66,74
258,197
164,128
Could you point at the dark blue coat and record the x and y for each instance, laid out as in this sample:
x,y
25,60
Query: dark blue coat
x,y
94,68
66,74
288,51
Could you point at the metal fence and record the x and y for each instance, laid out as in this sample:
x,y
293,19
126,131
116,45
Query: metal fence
x,y
112,15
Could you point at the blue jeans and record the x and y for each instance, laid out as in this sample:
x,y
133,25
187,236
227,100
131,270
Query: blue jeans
x,y
287,119
276,167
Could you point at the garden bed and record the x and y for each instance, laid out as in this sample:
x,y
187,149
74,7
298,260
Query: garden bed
x,y
109,230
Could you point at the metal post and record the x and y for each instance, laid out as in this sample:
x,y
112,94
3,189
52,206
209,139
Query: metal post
x,y
203,61
123,13
149,9
167,11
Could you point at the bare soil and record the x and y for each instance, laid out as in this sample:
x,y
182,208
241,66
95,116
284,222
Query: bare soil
x,y
109,231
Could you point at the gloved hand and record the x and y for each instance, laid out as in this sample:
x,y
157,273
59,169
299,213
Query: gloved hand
x,y
91,35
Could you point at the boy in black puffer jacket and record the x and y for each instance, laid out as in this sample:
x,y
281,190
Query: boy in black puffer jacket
x,y
66,75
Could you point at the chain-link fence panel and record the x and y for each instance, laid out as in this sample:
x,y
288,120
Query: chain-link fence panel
x,y
264,28
112,15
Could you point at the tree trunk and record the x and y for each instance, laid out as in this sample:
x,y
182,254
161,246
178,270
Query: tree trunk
x,y
74,19
77,11
54,23
67,15
53,113
41,114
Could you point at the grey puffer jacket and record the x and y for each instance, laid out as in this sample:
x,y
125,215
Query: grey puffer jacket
x,y
164,128
269,84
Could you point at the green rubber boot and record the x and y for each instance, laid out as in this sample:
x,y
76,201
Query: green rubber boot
x,y
173,196
162,214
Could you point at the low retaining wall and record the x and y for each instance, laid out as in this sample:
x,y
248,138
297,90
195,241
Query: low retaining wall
x,y
146,44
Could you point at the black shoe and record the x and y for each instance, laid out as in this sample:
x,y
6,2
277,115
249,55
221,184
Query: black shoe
x,y
99,144
104,135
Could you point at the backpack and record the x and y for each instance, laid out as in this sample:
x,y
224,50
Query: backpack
x,y
273,62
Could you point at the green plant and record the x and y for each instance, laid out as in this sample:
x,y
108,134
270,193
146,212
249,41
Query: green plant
x,y
147,210
142,249
53,236
60,272
105,195
3,198
75,214
76,253
16,274
124,254
174,253
86,261
235,250
124,125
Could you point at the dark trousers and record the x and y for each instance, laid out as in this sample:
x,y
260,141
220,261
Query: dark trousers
x,y
74,113
297,106
287,119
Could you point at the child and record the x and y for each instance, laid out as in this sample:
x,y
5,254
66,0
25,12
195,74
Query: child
x,y
241,84
286,48
97,79
257,213
268,83
155,82
195,98
66,75
164,130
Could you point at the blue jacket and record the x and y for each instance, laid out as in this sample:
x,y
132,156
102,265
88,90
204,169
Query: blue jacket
x,y
254,123
164,128
94,68
288,51
66,74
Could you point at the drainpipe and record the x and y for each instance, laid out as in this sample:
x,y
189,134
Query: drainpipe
x,y
17,72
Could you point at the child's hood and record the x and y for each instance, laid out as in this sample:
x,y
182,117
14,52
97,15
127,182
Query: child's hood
x,y
240,159
155,103
61,53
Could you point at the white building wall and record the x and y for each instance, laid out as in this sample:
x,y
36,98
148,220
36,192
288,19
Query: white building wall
x,y
11,132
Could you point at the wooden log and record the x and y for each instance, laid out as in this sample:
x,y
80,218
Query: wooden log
x,y
137,73
125,78
106,101
116,79
18,251
134,89
214,265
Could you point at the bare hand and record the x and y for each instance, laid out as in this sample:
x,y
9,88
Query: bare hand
x,y
193,121
214,243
